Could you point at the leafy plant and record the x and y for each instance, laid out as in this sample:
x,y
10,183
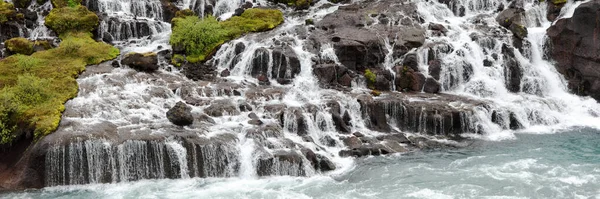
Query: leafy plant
x,y
371,78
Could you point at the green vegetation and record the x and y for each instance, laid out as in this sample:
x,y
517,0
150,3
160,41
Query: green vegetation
x,y
7,12
298,4
71,19
199,38
19,45
65,3
371,78
556,2
34,88
375,93
309,22
185,13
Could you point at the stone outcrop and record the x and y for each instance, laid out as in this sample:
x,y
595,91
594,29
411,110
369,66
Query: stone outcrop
x,y
146,62
180,114
576,49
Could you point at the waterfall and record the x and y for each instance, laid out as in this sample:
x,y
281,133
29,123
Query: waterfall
x,y
287,123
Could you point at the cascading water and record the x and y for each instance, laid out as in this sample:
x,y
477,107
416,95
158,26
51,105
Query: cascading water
x,y
299,131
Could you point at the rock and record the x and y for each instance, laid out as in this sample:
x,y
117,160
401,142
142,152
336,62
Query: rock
x,y
238,12
438,27
225,73
553,10
431,86
247,5
239,48
352,142
512,19
260,62
281,163
435,68
513,73
180,114
256,122
574,47
286,64
219,108
199,71
359,48
366,150
339,123
263,79
358,134
328,141
146,62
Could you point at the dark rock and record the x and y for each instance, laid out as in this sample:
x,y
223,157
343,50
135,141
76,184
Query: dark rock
x,y
358,134
219,108
513,73
339,123
225,73
263,79
352,142
281,163
514,122
247,5
512,19
260,62
431,86
574,46
147,62
239,48
255,122
180,114
411,61
366,150
487,62
199,71
285,63
435,68
238,12
328,141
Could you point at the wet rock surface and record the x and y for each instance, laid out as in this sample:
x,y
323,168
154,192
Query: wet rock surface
x,y
575,49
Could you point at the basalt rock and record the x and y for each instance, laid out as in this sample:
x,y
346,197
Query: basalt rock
x,y
575,48
146,62
180,114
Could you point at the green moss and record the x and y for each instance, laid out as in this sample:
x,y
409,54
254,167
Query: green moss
x,y
34,88
19,45
185,13
375,93
22,3
71,19
556,2
7,12
298,4
371,78
200,37
65,3
177,60
309,22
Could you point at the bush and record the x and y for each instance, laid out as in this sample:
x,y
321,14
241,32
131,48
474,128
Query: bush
x,y
71,19
19,45
371,78
199,38
34,88
184,13
7,11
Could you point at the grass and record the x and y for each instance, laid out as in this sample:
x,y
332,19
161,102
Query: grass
x,y
65,3
19,45
34,88
201,37
7,11
71,19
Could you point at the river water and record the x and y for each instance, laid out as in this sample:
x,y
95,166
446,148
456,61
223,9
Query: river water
x,y
562,164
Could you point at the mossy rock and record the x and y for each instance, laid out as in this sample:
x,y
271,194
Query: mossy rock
x,y
7,12
33,89
19,45
185,13
518,30
297,4
375,93
558,2
71,19
200,38
65,3
309,22
22,3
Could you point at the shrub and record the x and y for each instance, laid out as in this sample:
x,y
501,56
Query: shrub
x,y
184,13
371,78
7,11
19,45
71,19
200,37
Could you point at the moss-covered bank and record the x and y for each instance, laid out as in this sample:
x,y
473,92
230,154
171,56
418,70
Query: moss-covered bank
x,y
199,38
33,89
7,12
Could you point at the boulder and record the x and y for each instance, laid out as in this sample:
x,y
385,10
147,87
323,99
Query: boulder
x,y
512,19
431,86
180,114
576,51
146,62
513,73
218,108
